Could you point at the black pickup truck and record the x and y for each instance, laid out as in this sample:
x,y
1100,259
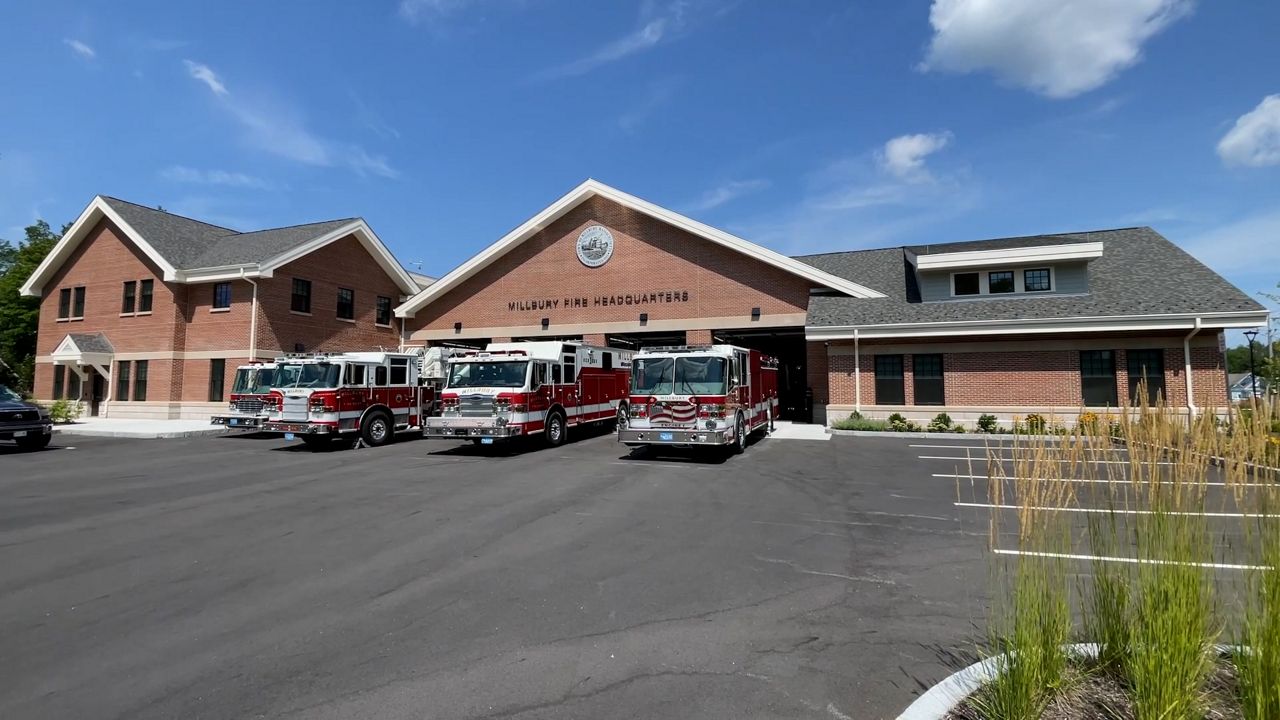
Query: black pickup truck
x,y
25,423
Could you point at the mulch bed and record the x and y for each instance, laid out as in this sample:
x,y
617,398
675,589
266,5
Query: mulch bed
x,y
1093,694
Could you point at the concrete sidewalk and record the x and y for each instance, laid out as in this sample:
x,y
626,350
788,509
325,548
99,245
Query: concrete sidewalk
x,y
131,428
787,430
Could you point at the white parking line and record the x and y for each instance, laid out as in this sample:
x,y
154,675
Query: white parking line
x,y
1009,459
1100,481
1112,510
1132,561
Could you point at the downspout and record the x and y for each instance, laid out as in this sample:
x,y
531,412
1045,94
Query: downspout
x,y
253,319
857,373
1186,356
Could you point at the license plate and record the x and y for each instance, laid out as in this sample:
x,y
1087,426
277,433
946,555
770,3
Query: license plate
x,y
233,421
486,441
20,433
666,437
289,436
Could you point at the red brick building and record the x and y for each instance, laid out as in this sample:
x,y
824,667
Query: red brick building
x,y
1045,324
147,314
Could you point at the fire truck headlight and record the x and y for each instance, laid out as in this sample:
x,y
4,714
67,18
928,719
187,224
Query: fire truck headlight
x,y
500,421
232,406
713,410
711,424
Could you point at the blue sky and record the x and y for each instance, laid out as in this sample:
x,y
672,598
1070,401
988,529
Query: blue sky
x,y
804,126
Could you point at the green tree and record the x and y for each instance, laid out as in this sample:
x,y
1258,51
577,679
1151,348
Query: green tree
x,y
20,316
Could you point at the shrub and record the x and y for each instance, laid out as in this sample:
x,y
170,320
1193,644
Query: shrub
x,y
1036,424
64,411
898,423
940,423
988,424
897,419
857,422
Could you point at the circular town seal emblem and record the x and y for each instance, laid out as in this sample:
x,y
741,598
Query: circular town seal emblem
x,y
595,246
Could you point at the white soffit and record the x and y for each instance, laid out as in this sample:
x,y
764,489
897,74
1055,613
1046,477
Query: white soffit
x,y
1009,256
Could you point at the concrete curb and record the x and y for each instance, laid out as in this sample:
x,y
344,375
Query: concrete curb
x,y
138,434
940,435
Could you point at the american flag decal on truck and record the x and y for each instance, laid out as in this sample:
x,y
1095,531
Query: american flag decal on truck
x,y
676,413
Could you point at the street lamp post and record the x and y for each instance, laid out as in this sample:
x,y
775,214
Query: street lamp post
x,y
1253,373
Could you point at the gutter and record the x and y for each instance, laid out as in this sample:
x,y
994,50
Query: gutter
x,y
253,318
1186,357
857,372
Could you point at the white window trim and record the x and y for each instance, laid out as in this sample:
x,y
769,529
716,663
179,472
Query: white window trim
x,y
1019,282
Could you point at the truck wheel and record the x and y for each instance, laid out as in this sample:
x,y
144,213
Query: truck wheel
x,y
377,429
34,442
739,435
555,428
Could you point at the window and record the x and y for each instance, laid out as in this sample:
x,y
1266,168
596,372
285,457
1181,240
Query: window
x,y
1000,282
1037,280
140,380
346,304
570,369
1098,378
355,376
384,311
539,375
606,361
64,303
221,295
555,374
890,389
77,309
73,386
122,380
217,379
965,284
144,295
59,380
130,300
927,379
399,371
1146,367
380,376
301,301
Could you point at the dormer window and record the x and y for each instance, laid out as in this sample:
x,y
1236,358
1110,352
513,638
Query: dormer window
x,y
1000,282
1037,280
966,284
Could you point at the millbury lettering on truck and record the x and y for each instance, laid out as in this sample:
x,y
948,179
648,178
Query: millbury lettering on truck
x,y
659,297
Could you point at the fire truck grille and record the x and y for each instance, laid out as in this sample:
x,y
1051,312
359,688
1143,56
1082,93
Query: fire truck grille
x,y
252,406
475,406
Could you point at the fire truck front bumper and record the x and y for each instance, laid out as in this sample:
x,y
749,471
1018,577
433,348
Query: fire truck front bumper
x,y
674,436
298,428
239,422
467,428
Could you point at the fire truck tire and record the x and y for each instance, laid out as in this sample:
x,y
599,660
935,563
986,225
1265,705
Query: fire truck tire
x,y
739,435
556,428
376,429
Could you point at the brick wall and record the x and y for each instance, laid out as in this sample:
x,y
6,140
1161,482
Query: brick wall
x,y
649,256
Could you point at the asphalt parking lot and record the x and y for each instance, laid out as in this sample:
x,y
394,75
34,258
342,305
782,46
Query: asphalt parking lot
x,y
232,578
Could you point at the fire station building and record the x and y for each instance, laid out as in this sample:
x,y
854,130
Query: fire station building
x,y
144,313
1046,324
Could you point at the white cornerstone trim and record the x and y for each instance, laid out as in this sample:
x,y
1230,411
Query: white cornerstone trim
x,y
593,188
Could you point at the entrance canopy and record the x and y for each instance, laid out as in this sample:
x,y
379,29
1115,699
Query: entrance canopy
x,y
80,350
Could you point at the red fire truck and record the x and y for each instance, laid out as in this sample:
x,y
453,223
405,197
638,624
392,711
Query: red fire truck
x,y
519,389
248,395
372,395
699,395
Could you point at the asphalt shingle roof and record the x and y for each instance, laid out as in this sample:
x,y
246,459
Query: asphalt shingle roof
x,y
92,342
190,244
1140,273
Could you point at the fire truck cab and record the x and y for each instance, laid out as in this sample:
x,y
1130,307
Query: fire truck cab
x,y
517,389
370,394
699,395
248,395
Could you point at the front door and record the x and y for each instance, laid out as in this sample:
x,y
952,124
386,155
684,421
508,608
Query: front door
x,y
97,392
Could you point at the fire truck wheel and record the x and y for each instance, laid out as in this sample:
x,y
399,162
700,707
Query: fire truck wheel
x,y
555,428
377,429
739,435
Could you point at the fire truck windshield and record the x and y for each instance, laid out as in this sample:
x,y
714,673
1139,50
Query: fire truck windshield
x,y
509,373
244,379
308,375
253,381
694,375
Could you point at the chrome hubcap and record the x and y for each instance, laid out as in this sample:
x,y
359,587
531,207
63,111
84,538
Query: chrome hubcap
x,y
555,428
378,429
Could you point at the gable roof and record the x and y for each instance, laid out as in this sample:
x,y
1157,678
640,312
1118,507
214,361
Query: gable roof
x,y
1142,281
188,250
91,342
593,188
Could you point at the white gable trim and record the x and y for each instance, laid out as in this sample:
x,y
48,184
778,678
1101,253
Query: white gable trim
x,y
1008,256
95,212
371,242
593,188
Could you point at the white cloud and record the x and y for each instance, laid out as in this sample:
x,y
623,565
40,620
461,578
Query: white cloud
x,y
206,75
1255,139
182,174
651,32
1058,48
80,48
280,131
1244,248
727,192
903,157
418,10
